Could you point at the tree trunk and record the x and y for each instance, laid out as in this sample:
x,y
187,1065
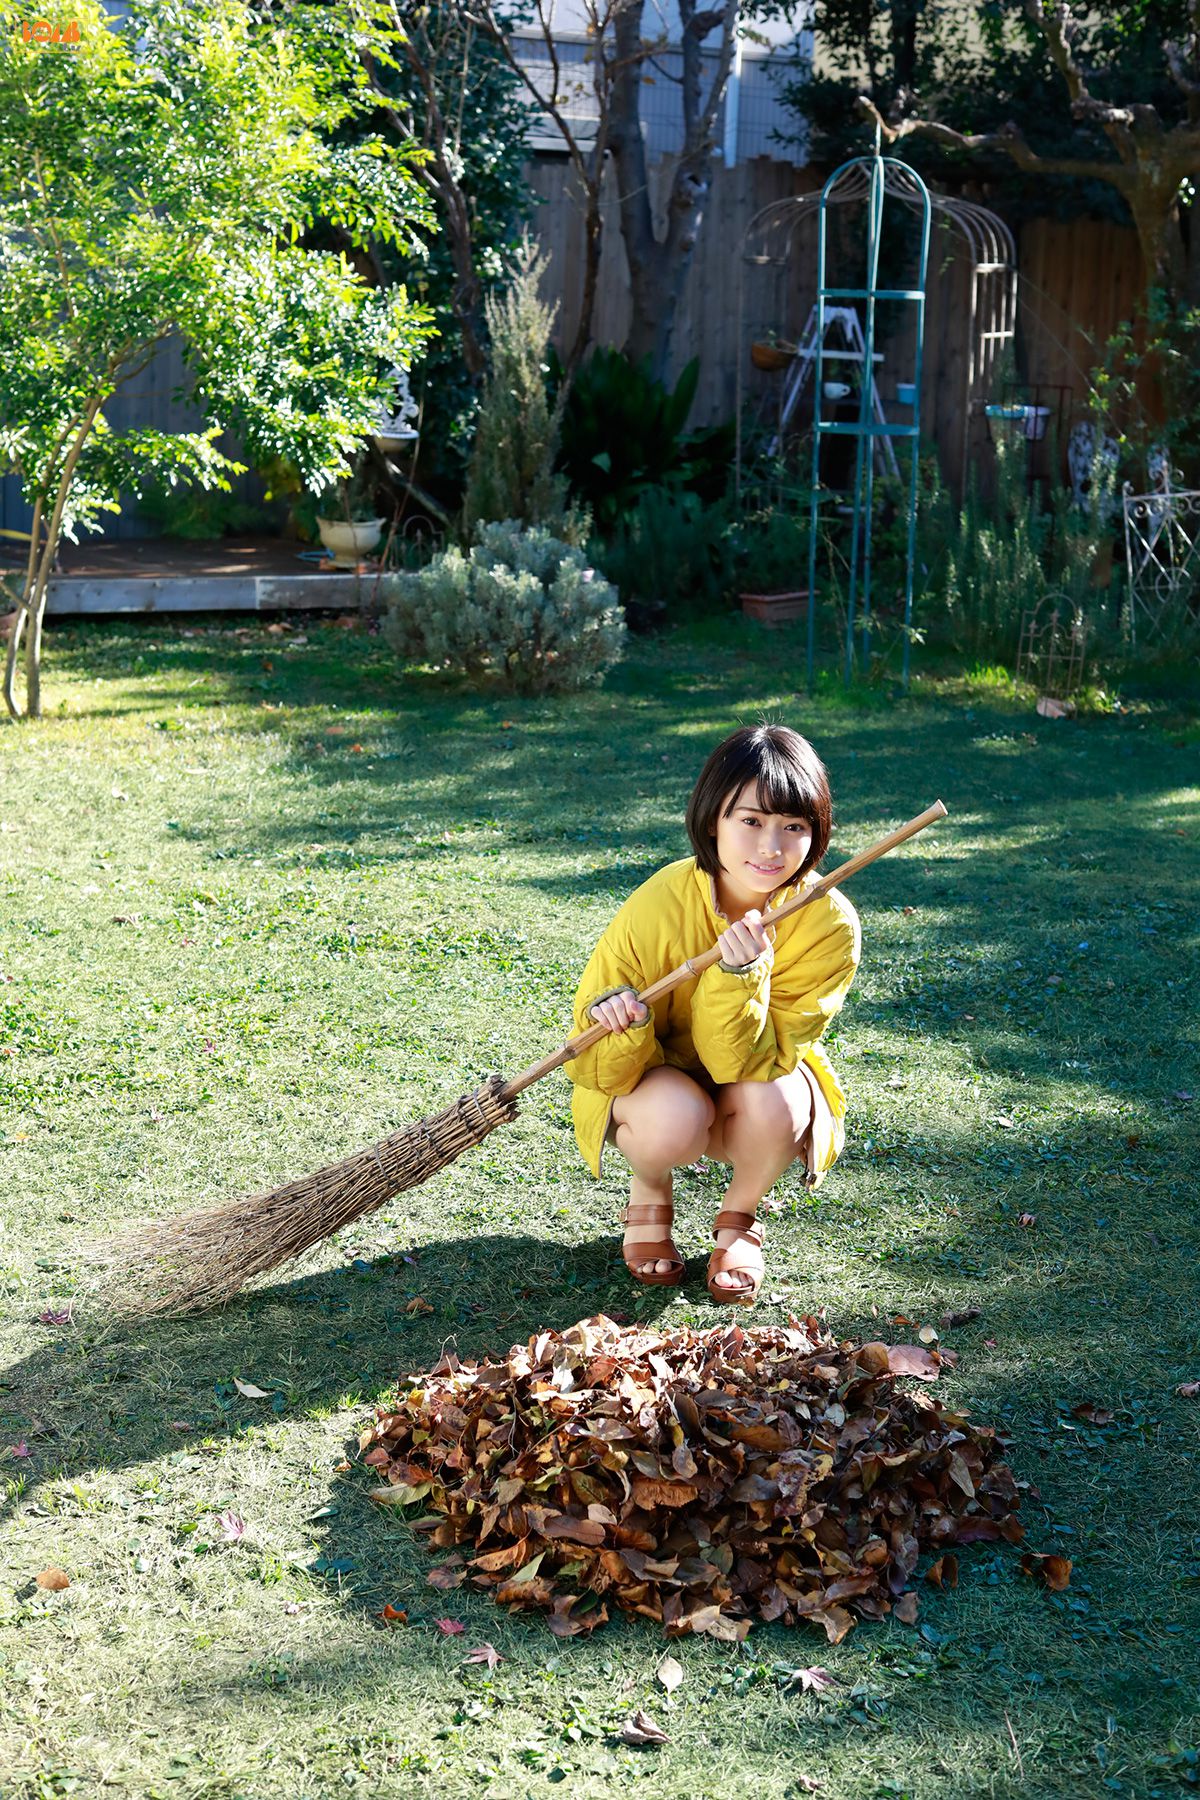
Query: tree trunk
x,y
642,249
658,267
37,578
902,25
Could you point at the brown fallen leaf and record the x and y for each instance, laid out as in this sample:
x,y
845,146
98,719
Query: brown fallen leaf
x,y
641,1729
944,1572
951,1320
873,1357
914,1359
484,1653
663,1493
399,1494
447,1575
450,1627
837,1622
1027,1220
808,1784
418,1305
1054,1571
906,1609
392,1615
1093,1414
53,1580
1188,1390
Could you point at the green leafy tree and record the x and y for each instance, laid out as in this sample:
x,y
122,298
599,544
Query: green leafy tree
x,y
1092,111
158,176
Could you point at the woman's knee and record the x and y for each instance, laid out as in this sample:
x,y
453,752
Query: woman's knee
x,y
664,1121
776,1112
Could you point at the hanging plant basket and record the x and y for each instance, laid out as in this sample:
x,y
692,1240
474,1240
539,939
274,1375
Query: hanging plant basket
x,y
771,358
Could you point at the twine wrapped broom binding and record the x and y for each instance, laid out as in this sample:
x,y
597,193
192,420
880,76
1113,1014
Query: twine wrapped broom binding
x,y
201,1261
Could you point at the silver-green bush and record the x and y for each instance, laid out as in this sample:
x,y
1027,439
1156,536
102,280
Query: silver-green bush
x,y
522,605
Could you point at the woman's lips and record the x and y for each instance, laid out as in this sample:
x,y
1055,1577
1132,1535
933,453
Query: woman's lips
x,y
772,869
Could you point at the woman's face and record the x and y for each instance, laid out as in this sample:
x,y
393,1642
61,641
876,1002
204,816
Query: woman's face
x,y
760,851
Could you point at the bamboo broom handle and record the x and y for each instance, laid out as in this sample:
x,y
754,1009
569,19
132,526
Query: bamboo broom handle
x,y
696,965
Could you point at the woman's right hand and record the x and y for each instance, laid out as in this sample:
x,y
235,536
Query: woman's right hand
x,y
619,1011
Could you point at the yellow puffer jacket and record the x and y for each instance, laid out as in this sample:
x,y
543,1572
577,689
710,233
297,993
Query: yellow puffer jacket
x,y
750,1026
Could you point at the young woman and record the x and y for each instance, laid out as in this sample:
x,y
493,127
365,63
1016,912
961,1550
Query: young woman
x,y
730,1065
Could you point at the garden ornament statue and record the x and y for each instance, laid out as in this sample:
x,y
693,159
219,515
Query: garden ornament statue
x,y
202,1260
397,429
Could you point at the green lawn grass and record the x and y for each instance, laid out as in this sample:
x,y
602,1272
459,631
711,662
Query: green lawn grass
x,y
264,900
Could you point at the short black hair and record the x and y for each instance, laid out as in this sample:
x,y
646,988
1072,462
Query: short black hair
x,y
789,777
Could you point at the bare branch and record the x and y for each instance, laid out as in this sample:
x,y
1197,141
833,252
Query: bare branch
x,y
700,24
1054,21
1009,140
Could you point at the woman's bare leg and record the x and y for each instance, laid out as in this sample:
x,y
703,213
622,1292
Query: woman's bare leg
x,y
661,1125
760,1127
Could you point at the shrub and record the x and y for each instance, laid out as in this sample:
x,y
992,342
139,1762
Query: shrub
x,y
522,605
623,433
201,513
1004,557
771,550
669,556
516,440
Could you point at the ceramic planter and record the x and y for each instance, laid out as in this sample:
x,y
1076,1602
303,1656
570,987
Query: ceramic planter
x,y
349,543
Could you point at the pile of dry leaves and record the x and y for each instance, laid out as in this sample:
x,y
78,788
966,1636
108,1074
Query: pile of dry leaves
x,y
700,1478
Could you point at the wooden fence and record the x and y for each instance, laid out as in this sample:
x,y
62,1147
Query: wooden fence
x,y
1078,279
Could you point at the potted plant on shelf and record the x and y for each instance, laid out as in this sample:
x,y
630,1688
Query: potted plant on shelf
x,y
771,353
348,519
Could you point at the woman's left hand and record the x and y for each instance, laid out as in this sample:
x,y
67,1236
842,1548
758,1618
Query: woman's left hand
x,y
743,942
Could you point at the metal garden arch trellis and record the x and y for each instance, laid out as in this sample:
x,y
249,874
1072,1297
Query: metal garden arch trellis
x,y
770,243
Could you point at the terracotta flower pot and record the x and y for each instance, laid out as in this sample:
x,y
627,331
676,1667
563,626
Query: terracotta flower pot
x,y
772,610
770,358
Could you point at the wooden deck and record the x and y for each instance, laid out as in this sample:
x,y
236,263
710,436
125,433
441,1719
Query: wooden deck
x,y
169,575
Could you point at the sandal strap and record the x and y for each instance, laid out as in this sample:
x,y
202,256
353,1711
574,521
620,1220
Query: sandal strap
x,y
649,1212
729,1219
731,1262
652,1250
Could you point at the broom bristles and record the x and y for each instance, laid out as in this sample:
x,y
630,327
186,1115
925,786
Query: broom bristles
x,y
186,1265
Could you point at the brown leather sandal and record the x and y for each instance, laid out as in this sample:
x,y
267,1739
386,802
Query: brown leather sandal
x,y
650,1250
725,1261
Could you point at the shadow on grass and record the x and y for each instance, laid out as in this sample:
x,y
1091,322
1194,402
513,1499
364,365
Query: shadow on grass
x,y
108,1397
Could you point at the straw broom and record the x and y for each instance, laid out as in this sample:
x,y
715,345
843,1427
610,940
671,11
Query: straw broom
x,y
203,1260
